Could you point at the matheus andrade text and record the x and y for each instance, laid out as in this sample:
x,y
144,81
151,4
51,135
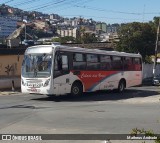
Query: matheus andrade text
x,y
142,137
29,138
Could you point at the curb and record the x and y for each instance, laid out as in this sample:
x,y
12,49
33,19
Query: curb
x,y
9,92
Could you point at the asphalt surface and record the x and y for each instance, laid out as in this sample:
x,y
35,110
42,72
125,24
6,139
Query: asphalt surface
x,y
93,113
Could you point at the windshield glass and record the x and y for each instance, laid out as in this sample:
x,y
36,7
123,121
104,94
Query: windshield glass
x,y
37,65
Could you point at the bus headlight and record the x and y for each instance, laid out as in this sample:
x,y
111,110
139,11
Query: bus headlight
x,y
46,83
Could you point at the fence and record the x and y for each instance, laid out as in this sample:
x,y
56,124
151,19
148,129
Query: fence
x,y
148,70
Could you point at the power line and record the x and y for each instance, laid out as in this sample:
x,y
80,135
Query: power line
x,y
62,4
100,17
153,13
8,1
105,10
59,5
86,1
49,5
38,6
112,11
78,4
25,2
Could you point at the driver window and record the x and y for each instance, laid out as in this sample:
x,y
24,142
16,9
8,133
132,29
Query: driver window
x,y
61,64
64,62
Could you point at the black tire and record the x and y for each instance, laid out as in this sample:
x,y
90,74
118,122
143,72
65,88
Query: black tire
x,y
77,89
121,86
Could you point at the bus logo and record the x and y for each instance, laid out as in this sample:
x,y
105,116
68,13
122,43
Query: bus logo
x,y
6,137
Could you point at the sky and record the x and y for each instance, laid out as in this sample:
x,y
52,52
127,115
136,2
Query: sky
x,y
109,11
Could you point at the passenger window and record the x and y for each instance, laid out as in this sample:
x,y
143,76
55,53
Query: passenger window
x,y
92,58
79,62
128,64
93,62
77,57
117,63
105,62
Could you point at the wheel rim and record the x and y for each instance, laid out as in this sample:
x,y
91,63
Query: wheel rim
x,y
75,90
121,87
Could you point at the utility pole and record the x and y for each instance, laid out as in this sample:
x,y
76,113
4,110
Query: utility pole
x,y
25,22
143,13
156,49
25,32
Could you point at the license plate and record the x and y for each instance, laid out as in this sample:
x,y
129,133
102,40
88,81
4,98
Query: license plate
x,y
34,85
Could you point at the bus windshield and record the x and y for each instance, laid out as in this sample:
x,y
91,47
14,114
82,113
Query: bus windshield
x,y
37,65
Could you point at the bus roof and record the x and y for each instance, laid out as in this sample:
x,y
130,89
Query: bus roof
x,y
96,51
39,49
49,48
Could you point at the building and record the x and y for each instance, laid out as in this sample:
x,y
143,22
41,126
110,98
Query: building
x,y
112,28
40,24
54,16
67,22
101,27
74,22
114,37
68,32
7,26
109,37
104,37
10,67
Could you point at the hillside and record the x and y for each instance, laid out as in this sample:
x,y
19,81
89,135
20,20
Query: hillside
x,y
6,10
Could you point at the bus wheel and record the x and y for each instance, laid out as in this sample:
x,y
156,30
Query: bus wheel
x,y
121,86
77,89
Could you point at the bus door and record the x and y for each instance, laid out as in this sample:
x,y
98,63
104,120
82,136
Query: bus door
x,y
61,73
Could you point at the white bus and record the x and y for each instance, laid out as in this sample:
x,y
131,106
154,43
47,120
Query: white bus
x,y
58,70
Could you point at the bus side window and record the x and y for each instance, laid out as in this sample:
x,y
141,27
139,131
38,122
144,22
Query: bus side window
x,y
105,62
117,63
137,64
79,61
61,65
93,62
128,65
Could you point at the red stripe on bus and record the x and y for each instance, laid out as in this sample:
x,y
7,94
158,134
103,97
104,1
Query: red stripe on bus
x,y
90,78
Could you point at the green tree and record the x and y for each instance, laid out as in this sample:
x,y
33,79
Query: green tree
x,y
89,38
84,37
65,39
42,34
56,40
137,38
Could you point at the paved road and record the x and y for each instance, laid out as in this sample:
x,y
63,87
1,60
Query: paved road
x,y
94,113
